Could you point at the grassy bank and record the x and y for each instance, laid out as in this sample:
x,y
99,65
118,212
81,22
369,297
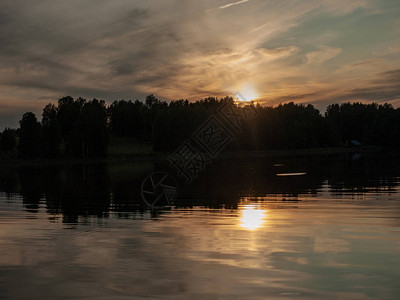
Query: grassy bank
x,y
300,152
130,149
119,149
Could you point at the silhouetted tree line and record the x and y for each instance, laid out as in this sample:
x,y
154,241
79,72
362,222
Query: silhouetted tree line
x,y
81,128
73,128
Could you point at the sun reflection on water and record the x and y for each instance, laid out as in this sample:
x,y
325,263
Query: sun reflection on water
x,y
252,218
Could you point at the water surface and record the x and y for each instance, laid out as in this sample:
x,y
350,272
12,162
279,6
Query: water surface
x,y
79,231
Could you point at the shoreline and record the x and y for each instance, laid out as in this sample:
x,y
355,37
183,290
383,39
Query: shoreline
x,y
162,156
304,152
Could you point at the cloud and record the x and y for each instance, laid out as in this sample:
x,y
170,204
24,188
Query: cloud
x,y
344,7
234,3
391,77
381,87
384,86
325,53
278,52
182,49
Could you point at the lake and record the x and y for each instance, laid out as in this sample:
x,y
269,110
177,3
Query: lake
x,y
297,227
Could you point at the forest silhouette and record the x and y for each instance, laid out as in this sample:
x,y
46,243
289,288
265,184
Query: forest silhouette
x,y
82,128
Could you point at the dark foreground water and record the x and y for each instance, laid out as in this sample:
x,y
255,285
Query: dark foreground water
x,y
81,231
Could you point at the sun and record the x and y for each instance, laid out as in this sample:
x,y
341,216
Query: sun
x,y
247,93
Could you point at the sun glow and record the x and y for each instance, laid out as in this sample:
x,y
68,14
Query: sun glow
x,y
247,93
252,218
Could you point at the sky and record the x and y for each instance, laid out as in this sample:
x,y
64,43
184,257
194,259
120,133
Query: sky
x,y
309,51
